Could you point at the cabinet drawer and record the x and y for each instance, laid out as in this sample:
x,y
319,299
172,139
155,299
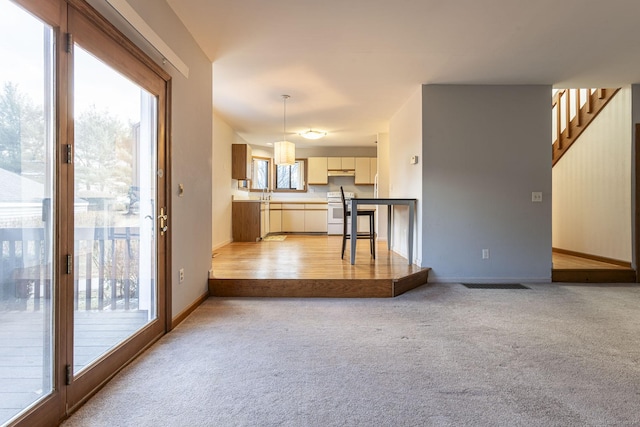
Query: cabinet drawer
x,y
293,206
315,207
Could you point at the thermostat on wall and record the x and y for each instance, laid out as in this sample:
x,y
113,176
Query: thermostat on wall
x,y
413,160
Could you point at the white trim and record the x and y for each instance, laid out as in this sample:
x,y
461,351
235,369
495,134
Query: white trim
x,y
139,24
219,245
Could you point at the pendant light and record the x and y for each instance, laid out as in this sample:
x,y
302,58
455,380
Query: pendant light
x,y
284,152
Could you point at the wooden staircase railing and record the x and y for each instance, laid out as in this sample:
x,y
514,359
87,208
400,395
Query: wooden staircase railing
x,y
573,110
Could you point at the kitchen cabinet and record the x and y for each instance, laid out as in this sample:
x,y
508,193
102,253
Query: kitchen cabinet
x,y
275,218
317,171
249,220
341,163
241,158
298,217
366,169
321,167
363,171
373,171
265,224
315,218
293,218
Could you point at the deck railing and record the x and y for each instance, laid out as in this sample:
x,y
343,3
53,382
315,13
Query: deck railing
x,y
105,264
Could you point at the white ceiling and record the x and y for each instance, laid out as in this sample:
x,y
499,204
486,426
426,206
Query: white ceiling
x,y
349,65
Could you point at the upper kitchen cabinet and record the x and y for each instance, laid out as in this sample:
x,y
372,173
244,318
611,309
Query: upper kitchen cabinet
x,y
341,163
317,174
366,169
241,161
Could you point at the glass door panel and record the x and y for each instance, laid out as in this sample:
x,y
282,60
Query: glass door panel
x,y
26,211
115,139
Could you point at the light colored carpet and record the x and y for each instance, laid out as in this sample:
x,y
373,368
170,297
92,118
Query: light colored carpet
x,y
440,355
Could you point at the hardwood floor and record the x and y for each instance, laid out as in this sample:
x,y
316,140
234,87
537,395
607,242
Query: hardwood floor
x,y
310,266
564,261
572,268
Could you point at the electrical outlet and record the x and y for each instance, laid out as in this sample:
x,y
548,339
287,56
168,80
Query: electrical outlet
x,y
181,275
485,254
536,196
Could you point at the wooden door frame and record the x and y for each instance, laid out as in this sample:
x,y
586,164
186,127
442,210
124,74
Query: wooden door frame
x,y
164,133
103,40
54,407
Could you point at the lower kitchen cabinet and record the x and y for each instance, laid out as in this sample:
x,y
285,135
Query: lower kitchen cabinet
x,y
249,220
253,219
315,221
265,221
298,218
292,219
275,220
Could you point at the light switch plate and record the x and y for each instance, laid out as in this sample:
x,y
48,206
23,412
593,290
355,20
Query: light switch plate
x,y
536,196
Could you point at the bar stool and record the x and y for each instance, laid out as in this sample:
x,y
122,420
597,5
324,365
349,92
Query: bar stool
x,y
371,235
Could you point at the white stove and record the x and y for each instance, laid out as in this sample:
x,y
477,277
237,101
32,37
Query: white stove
x,y
334,211
334,196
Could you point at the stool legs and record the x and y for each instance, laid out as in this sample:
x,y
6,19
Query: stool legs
x,y
372,235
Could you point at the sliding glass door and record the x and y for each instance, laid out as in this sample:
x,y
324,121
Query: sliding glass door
x,y
83,206
118,204
115,123
27,211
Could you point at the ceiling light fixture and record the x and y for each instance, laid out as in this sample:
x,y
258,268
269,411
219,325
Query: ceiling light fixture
x,y
284,152
313,134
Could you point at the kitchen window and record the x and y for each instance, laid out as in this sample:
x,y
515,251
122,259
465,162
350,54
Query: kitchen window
x,y
259,174
291,177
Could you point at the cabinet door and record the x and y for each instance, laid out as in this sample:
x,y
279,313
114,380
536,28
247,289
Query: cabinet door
x,y
293,221
348,163
246,221
315,221
334,163
363,171
275,221
317,173
241,161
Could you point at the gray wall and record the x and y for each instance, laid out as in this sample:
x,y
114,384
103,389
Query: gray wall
x,y
191,134
485,149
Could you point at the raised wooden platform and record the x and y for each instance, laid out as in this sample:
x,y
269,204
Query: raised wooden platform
x,y
310,266
574,268
585,275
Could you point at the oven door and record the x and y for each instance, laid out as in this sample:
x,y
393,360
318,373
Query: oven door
x,y
334,218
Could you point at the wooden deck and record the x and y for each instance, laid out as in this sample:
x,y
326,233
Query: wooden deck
x,y
310,266
24,352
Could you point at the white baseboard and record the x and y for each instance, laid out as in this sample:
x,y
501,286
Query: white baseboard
x,y
219,245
